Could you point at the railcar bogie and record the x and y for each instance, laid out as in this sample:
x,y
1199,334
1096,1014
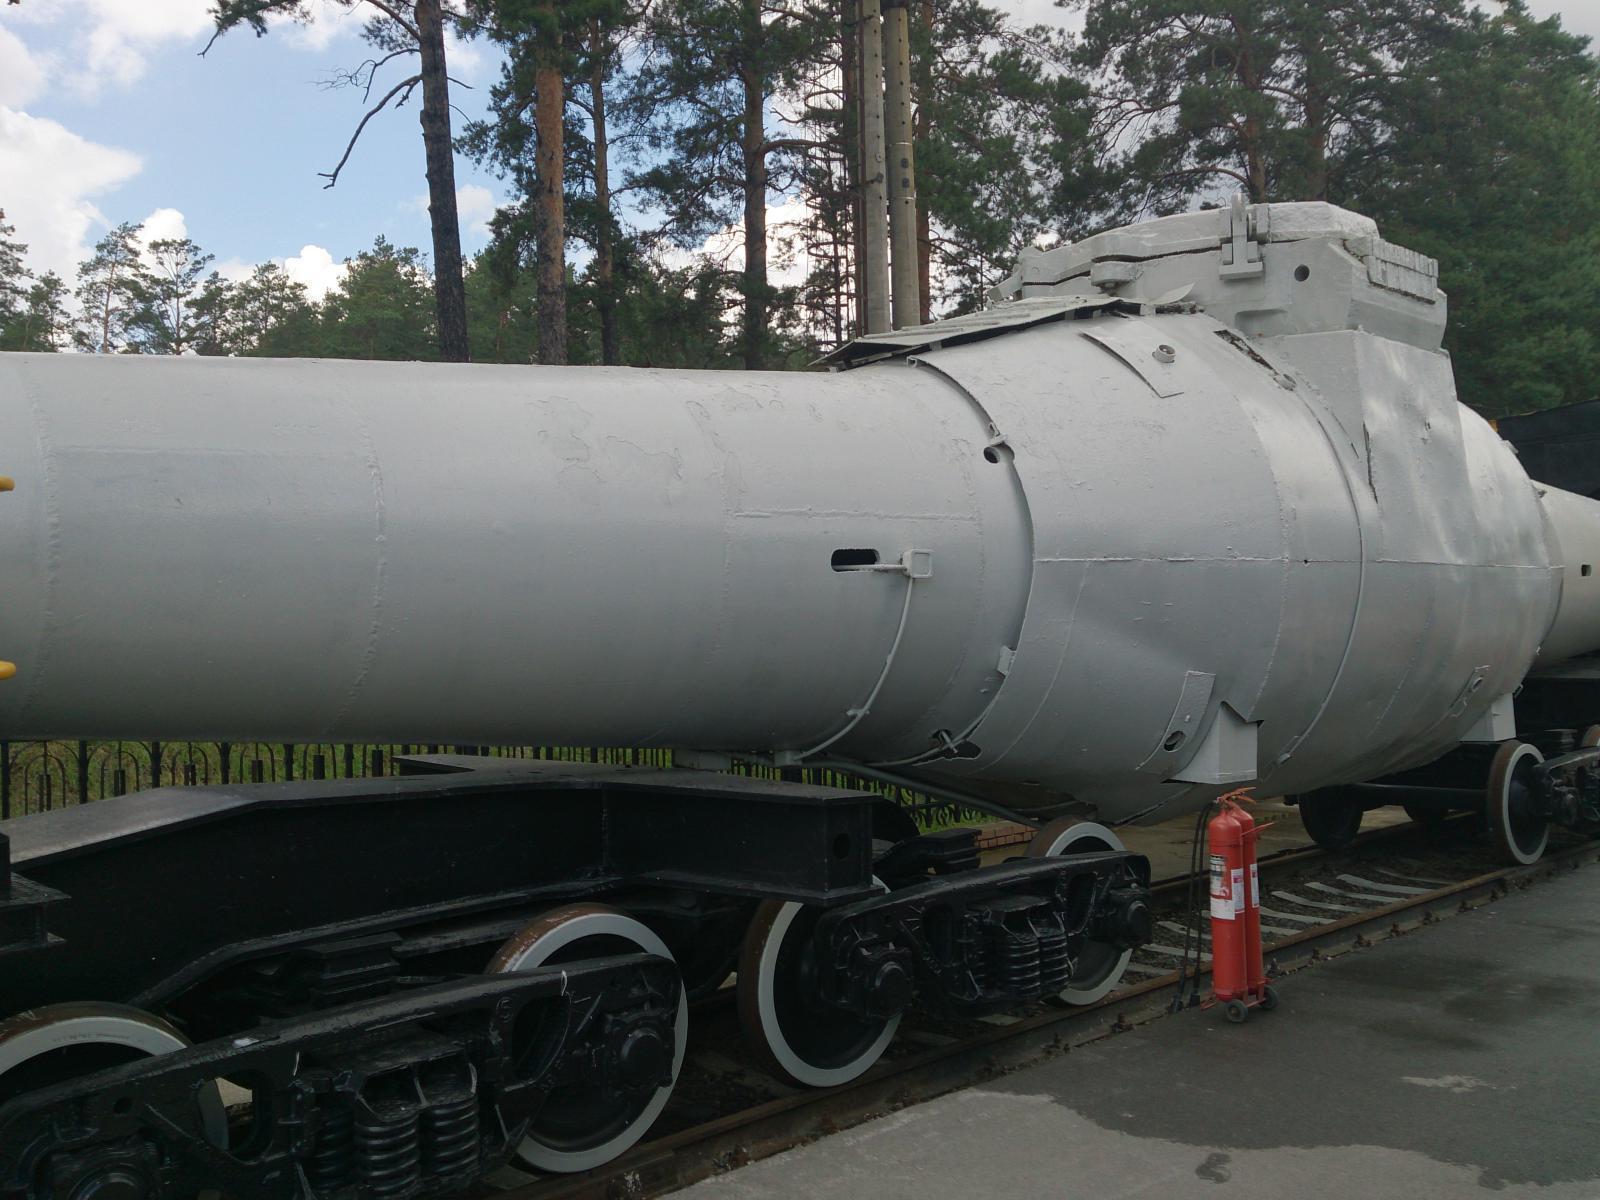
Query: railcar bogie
x,y
404,1014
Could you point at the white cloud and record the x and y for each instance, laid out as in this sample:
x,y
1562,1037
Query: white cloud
x,y
787,265
315,268
113,39
165,224
475,204
54,214
466,59
234,270
118,35
329,22
22,75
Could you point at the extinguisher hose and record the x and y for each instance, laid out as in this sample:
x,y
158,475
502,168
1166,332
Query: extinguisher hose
x,y
1193,942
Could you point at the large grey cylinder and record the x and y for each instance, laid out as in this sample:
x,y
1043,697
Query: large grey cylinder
x,y
1082,548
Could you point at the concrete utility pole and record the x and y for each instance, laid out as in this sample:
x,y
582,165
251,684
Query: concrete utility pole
x,y
875,232
902,170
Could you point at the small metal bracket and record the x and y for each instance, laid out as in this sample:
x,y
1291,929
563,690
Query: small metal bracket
x,y
1241,253
913,564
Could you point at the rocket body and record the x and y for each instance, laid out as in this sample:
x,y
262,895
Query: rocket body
x,y
1104,544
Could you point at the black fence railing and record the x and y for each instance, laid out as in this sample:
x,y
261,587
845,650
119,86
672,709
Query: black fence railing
x,y
40,776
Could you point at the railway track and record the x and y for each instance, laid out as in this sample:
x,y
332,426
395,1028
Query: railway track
x,y
1315,904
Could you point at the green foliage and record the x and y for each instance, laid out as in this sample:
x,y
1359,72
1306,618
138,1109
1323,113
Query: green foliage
x,y
169,316
1492,166
33,313
999,124
700,102
43,323
502,323
1204,97
14,277
1472,137
108,292
383,308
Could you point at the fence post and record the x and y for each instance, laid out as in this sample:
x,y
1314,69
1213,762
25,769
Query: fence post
x,y
5,781
83,772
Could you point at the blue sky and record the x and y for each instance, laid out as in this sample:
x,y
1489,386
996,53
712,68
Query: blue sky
x,y
107,113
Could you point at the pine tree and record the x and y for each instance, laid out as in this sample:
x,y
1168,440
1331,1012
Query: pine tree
x,y
701,99
167,285
269,313
399,28
999,134
1208,97
42,324
15,279
382,307
1491,163
108,291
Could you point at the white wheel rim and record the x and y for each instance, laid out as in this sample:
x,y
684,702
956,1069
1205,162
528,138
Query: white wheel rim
x,y
1502,804
535,1153
1090,831
767,1008
83,1025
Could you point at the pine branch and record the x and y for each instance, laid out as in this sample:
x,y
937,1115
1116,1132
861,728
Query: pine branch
x,y
406,85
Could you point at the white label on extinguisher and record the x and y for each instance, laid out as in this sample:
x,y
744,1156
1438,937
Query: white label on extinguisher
x,y
1255,887
1221,895
1238,889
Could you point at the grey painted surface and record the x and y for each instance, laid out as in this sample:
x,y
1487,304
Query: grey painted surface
x,y
1460,1061
1108,501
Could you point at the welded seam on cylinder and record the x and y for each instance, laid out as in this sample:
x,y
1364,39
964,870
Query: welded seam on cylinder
x,y
1322,419
380,513
917,362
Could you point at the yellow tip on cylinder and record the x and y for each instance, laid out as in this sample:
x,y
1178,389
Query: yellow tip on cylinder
x,y
7,670
7,484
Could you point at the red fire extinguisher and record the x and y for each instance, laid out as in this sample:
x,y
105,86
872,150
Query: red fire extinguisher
x,y
1238,976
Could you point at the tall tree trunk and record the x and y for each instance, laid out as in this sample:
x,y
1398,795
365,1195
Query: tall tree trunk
x,y
604,249
449,288
919,132
850,121
550,223
754,146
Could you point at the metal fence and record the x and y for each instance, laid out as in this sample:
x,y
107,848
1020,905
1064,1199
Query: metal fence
x,y
40,776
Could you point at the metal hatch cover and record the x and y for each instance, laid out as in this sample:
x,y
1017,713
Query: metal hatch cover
x,y
1001,318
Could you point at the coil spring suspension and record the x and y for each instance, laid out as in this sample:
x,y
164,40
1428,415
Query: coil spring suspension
x,y
1055,963
1014,961
333,1157
390,1152
450,1136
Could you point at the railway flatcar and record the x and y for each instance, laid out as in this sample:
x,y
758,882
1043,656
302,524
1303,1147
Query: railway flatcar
x,y
1191,505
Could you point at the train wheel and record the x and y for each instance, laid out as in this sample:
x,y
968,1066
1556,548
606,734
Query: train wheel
x,y
800,1042
1519,830
581,1127
1330,819
1101,965
60,1042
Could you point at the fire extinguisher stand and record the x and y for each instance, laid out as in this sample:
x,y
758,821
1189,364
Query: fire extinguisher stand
x,y
1238,975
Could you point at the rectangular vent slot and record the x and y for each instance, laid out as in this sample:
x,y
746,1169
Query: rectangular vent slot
x,y
854,560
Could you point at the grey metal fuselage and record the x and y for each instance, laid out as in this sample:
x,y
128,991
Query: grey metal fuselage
x,y
1131,546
